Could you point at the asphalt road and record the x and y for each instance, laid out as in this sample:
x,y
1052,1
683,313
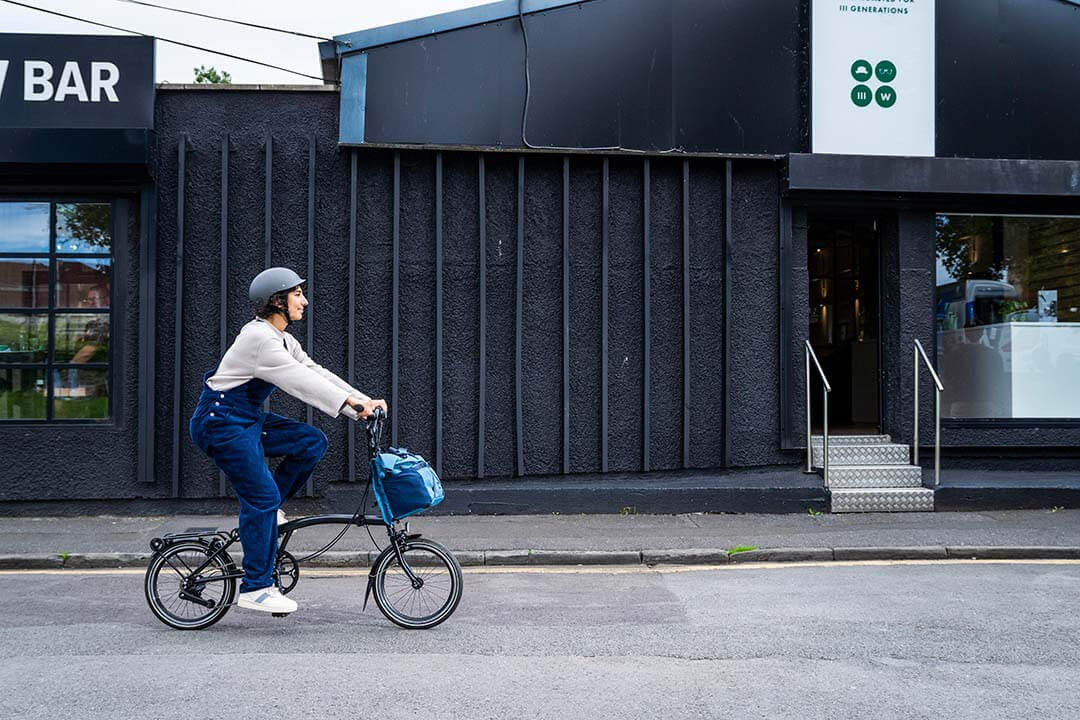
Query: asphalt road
x,y
908,640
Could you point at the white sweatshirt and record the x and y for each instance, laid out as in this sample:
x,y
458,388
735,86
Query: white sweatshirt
x,y
262,351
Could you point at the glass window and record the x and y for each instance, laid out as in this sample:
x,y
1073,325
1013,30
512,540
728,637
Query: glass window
x,y
24,282
24,227
55,300
24,337
83,283
22,393
1008,316
83,228
81,338
79,393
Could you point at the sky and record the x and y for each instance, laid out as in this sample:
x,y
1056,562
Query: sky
x,y
176,64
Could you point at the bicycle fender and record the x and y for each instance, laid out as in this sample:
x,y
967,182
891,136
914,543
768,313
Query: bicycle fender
x,y
371,576
370,588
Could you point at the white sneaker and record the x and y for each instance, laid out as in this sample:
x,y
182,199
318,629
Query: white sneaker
x,y
280,517
267,599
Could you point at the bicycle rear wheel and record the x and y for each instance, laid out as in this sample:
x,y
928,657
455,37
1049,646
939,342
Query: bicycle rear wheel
x,y
183,600
429,600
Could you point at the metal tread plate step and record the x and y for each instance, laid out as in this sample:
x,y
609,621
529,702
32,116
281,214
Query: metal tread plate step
x,y
818,440
881,500
871,454
875,476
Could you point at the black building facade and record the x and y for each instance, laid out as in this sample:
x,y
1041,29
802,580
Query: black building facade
x,y
616,317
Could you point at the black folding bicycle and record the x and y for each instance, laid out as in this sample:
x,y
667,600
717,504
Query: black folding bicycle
x,y
191,580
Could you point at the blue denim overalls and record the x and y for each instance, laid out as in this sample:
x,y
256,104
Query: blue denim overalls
x,y
231,428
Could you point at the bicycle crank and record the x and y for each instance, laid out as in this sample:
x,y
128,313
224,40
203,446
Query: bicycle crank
x,y
191,597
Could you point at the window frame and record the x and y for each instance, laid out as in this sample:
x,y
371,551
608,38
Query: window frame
x,y
1002,423
54,258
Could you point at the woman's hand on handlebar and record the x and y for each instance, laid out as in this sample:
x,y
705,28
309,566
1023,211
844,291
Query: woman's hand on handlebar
x,y
364,408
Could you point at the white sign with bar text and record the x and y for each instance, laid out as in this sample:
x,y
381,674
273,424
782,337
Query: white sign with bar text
x,y
872,77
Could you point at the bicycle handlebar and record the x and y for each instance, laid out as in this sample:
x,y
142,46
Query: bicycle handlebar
x,y
374,425
350,412
374,430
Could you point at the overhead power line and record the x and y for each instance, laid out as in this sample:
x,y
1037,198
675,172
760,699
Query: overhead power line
x,y
166,40
230,20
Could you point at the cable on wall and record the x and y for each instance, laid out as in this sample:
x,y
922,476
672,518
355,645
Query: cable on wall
x,y
525,109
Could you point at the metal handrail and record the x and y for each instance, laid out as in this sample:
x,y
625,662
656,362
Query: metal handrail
x,y
826,389
938,388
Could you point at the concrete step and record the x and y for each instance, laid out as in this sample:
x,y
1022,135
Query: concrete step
x,y
869,454
874,476
882,500
851,440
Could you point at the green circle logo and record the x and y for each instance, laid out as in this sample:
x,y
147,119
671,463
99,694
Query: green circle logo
x,y
861,95
885,71
885,96
861,70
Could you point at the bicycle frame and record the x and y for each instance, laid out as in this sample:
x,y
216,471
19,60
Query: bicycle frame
x,y
221,541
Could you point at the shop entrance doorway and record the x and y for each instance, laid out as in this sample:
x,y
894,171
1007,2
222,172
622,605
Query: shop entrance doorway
x,y
845,326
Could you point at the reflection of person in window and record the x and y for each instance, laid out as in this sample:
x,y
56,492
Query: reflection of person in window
x,y
95,336
95,297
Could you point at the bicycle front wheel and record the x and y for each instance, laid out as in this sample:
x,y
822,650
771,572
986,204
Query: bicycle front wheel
x,y
428,597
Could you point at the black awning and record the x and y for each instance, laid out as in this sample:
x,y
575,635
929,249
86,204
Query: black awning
x,y
52,146
940,176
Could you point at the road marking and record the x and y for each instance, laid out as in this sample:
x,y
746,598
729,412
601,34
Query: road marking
x,y
594,569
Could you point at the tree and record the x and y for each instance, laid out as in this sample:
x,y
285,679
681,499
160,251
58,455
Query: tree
x,y
956,237
87,222
212,76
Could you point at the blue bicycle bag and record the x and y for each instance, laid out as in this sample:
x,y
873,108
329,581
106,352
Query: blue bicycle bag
x,y
404,484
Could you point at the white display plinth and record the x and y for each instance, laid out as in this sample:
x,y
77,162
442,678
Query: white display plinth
x,y
1011,370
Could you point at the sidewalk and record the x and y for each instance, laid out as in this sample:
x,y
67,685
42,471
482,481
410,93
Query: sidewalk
x,y
112,541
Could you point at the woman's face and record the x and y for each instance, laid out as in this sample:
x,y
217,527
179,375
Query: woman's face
x,y
297,303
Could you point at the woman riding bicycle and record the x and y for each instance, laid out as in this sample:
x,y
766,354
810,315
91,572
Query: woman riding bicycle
x,y
231,428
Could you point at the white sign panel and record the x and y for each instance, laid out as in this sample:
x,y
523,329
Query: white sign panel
x,y
872,65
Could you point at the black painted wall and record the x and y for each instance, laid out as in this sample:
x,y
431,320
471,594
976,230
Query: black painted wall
x,y
698,75
290,118
1006,73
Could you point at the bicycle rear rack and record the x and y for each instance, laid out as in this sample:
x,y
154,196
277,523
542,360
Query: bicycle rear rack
x,y
160,543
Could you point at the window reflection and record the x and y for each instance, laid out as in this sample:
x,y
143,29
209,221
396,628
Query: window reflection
x,y
1008,316
24,282
81,338
79,393
22,393
83,228
55,310
24,337
83,283
24,227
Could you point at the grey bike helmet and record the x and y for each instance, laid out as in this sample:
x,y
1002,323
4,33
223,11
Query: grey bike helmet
x,y
270,281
